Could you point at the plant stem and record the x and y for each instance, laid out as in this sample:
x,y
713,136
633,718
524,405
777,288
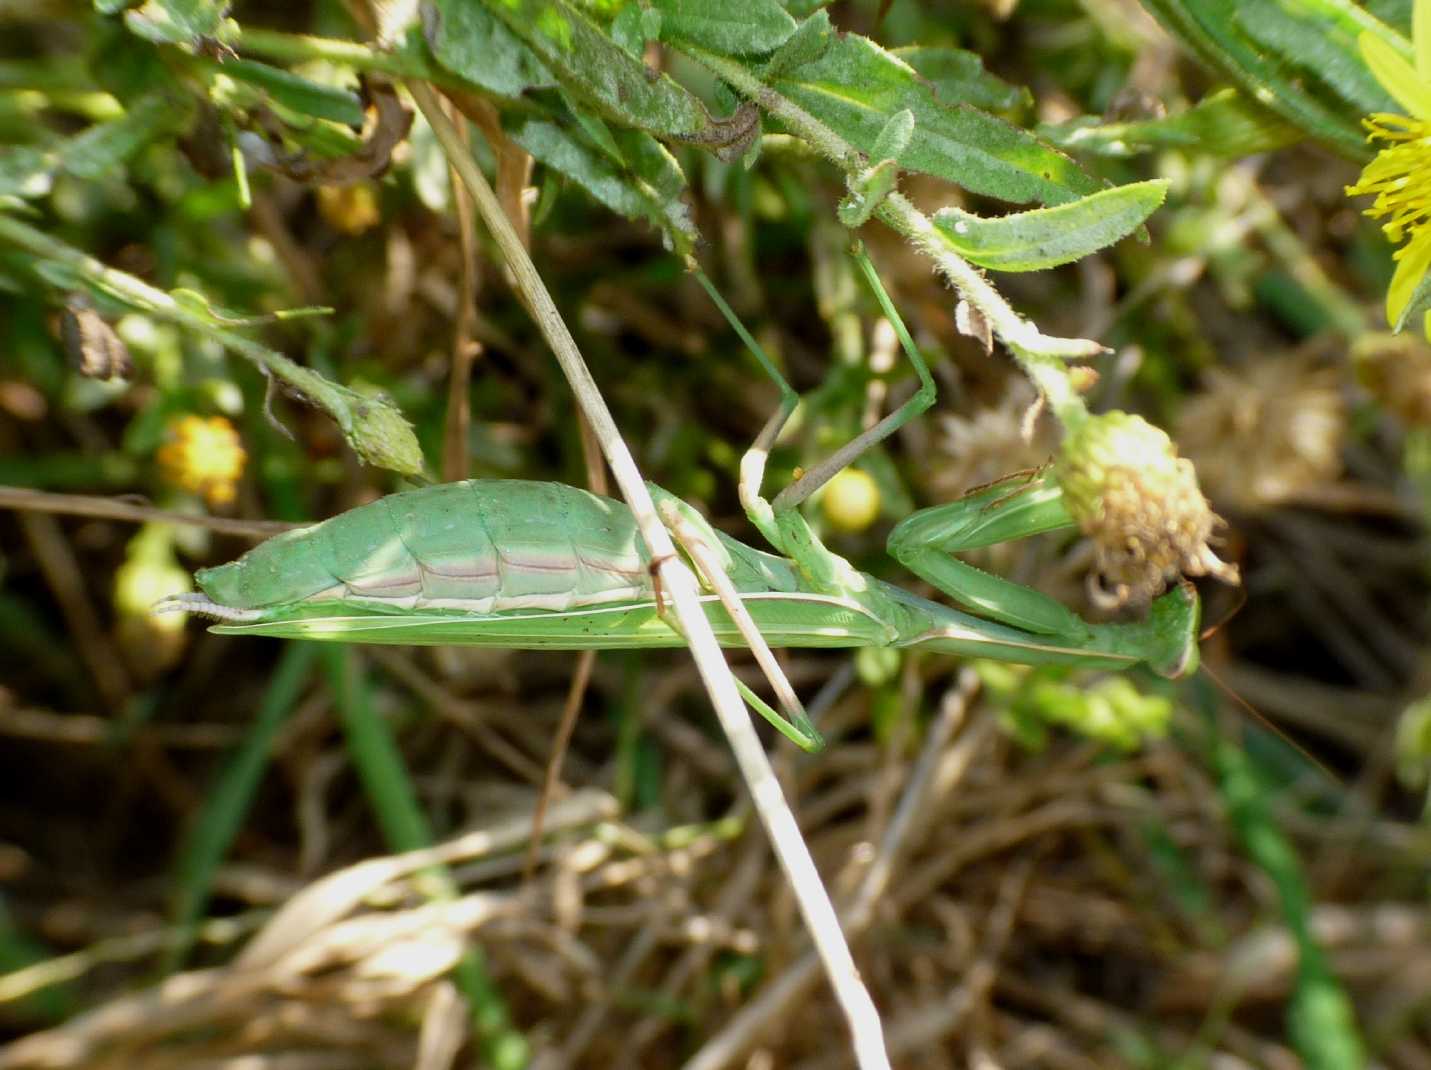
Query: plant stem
x,y
1040,355
375,430
677,581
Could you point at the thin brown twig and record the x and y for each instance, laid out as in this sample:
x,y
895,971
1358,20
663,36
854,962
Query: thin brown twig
x,y
57,561
552,775
465,348
40,501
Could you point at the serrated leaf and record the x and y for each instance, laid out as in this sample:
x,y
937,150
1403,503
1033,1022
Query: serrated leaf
x,y
474,44
854,88
1210,28
597,71
649,187
1224,123
730,27
959,77
1047,237
297,93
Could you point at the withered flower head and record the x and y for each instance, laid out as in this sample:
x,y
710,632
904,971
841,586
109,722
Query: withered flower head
x,y
1266,434
1129,491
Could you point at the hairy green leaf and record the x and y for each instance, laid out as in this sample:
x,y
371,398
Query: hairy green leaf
x,y
644,183
1047,237
1224,123
601,74
895,136
731,27
807,44
958,77
855,86
471,42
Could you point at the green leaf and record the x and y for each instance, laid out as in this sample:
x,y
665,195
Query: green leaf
x,y
180,22
648,186
1416,306
296,92
1046,237
1224,123
26,171
1317,46
856,86
731,27
895,136
808,43
103,147
958,77
1212,30
472,43
598,72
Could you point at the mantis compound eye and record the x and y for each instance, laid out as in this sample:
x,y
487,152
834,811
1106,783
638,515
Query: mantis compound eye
x,y
1140,503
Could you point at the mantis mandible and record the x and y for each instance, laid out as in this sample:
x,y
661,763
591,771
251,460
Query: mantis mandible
x,y
531,565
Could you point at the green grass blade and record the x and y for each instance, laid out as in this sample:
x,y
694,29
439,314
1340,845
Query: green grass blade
x,y
1321,1020
223,813
375,755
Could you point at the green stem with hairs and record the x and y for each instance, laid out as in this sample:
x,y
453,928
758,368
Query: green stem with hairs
x,y
1041,356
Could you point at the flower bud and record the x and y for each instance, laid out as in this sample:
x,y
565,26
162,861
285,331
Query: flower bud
x,y
851,501
1128,490
203,455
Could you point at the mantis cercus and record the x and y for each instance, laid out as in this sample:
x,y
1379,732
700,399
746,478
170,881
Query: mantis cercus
x,y
531,565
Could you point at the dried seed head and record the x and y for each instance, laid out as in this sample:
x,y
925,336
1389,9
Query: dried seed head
x,y
1130,492
1267,434
1396,370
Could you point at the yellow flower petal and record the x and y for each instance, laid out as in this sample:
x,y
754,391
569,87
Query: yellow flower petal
x,y
1412,263
1397,76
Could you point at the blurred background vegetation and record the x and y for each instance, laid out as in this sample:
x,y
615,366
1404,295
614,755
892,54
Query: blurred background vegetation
x,y
232,262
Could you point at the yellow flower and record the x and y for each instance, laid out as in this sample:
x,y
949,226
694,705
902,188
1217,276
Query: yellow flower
x,y
203,455
1400,176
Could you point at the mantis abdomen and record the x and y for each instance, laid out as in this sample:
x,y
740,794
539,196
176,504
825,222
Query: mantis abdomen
x,y
481,546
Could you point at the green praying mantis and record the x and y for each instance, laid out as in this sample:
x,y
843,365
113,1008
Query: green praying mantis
x,y
532,565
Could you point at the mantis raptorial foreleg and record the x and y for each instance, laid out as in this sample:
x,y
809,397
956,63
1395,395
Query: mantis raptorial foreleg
x,y
926,541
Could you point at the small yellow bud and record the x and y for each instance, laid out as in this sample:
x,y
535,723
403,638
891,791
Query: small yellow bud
x,y
351,209
851,501
151,642
1129,491
203,455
